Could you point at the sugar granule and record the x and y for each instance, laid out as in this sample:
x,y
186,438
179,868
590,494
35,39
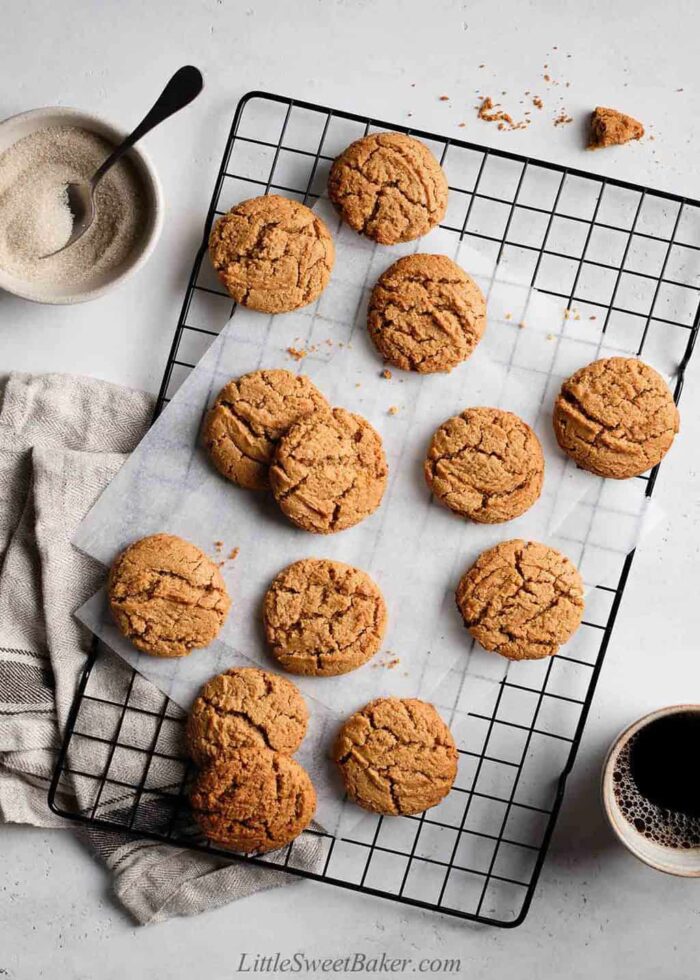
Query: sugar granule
x,y
34,214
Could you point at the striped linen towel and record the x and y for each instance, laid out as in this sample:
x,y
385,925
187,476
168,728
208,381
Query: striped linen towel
x,y
62,438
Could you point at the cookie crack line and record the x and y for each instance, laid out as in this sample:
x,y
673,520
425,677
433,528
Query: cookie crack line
x,y
278,260
225,713
284,654
605,429
170,573
523,586
417,171
382,187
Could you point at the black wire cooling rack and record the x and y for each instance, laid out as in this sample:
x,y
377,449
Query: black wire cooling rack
x,y
620,254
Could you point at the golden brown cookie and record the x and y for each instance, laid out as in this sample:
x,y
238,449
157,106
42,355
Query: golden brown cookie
x,y
323,617
396,756
485,464
610,127
243,707
616,417
329,471
249,416
389,187
521,599
253,800
167,596
426,314
272,254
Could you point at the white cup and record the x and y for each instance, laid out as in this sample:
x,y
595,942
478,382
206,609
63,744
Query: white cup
x,y
675,861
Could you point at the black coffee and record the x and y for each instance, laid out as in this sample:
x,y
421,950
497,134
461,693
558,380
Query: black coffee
x,y
656,780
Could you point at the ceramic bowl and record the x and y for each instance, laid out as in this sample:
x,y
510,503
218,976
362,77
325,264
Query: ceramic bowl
x,y
14,129
682,862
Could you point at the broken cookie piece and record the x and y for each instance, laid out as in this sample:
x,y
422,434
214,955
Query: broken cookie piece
x,y
610,128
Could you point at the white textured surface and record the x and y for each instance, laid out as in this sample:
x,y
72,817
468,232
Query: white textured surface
x,y
596,912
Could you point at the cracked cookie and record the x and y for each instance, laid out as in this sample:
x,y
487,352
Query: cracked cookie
x,y
521,599
166,596
253,801
329,471
249,416
272,254
389,187
609,127
323,617
426,314
485,464
616,417
396,756
245,707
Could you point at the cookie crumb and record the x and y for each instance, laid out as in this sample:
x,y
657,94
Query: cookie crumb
x,y
233,554
521,325
298,353
386,373
537,101
393,410
609,127
444,98
218,545
490,111
563,119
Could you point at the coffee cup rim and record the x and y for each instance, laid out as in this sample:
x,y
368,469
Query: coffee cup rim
x,y
612,811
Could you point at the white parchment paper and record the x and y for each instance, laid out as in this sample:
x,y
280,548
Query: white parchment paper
x,y
415,549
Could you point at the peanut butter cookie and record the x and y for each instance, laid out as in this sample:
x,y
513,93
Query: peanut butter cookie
x,y
521,599
610,127
249,416
485,464
389,187
426,314
253,800
323,617
243,707
272,254
329,471
396,756
616,417
167,596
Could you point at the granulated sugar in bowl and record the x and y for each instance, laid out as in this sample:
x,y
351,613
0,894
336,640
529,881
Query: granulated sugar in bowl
x,y
40,152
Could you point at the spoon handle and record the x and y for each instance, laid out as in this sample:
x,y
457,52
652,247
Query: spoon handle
x,y
183,87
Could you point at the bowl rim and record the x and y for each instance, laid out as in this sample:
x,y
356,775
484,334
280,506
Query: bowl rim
x,y
103,127
608,796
